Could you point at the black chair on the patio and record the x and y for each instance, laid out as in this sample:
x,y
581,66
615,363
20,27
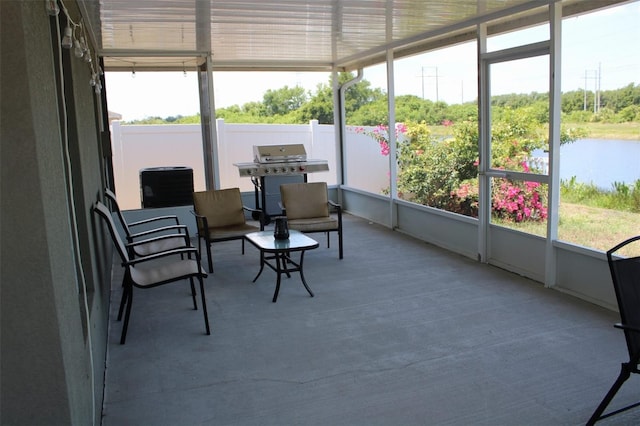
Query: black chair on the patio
x,y
625,273
153,270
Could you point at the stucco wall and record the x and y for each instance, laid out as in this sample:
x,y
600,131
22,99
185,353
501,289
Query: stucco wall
x,y
47,347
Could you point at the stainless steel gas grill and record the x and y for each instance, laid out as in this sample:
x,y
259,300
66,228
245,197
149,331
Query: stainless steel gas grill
x,y
280,160
274,165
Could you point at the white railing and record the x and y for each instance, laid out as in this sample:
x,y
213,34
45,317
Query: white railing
x,y
137,147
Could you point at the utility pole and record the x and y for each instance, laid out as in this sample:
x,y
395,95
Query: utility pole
x,y
599,82
584,101
595,77
422,76
437,85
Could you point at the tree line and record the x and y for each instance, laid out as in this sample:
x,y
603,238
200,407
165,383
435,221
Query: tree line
x,y
367,106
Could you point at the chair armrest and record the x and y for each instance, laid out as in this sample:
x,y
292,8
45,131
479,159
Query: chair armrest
x,y
154,219
133,244
260,214
337,207
201,224
179,251
251,210
627,327
179,228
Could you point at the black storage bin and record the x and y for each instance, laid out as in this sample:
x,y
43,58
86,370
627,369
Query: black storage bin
x,y
166,186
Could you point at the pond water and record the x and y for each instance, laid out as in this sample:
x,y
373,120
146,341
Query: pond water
x,y
600,161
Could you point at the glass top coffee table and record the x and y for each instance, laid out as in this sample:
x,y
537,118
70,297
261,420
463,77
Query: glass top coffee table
x,y
276,254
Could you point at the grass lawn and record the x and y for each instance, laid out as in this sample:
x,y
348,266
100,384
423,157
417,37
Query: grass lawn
x,y
590,227
620,131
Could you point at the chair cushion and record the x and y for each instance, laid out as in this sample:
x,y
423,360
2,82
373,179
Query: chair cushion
x,y
144,276
221,207
305,200
314,224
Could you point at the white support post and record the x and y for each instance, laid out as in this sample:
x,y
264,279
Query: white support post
x,y
339,125
214,134
393,155
484,135
555,87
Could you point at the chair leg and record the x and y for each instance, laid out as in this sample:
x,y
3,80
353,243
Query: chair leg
x,y
123,300
125,295
125,325
209,258
625,372
208,244
204,306
340,243
193,294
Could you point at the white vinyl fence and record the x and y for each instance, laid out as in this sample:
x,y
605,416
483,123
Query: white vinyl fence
x,y
138,147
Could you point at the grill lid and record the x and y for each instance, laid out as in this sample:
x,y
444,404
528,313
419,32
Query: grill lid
x,y
279,153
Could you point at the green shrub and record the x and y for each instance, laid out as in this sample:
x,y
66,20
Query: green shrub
x,y
630,113
622,197
443,173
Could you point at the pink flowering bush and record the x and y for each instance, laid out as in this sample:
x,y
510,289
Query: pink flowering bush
x,y
443,172
519,202
380,134
513,201
464,199
510,201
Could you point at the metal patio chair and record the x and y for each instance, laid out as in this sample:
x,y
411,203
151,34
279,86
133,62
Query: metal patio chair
x,y
308,209
153,270
625,274
220,216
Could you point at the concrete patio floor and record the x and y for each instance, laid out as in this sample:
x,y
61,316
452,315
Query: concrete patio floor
x,y
399,333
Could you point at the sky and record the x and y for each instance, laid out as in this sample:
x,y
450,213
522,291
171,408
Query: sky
x,y
601,48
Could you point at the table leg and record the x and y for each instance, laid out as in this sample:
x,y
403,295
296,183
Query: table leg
x,y
265,215
302,274
286,257
282,258
261,265
279,266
